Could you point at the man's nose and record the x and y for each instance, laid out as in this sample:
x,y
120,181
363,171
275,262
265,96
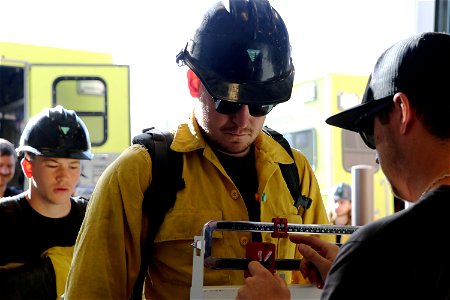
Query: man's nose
x,y
5,170
242,116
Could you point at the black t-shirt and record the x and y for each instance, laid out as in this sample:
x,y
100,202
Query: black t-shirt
x,y
25,234
403,256
242,170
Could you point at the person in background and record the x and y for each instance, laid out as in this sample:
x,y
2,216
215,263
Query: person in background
x,y
40,225
342,210
240,67
8,160
404,117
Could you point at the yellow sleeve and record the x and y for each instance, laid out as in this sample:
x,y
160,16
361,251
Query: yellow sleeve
x,y
61,258
107,252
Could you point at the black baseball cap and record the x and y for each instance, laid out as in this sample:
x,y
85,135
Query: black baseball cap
x,y
417,66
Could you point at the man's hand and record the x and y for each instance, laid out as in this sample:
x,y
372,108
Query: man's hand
x,y
263,285
318,256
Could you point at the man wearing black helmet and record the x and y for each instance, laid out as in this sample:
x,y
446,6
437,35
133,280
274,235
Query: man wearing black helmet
x,y
404,117
240,67
40,225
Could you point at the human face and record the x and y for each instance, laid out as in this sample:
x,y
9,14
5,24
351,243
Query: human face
x,y
54,179
390,150
231,133
391,156
342,207
7,169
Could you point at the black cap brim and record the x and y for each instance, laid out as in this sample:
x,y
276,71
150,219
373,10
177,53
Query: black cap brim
x,y
416,66
348,119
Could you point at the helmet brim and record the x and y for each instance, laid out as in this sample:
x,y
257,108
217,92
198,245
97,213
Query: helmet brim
x,y
261,93
83,155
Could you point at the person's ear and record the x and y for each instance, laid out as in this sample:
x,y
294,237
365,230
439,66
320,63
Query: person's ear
x,y
193,83
26,167
407,113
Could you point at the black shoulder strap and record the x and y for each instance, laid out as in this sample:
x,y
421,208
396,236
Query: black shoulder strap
x,y
167,167
290,172
80,204
167,180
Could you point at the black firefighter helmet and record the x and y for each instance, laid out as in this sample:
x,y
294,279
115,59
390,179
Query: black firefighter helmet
x,y
56,132
241,53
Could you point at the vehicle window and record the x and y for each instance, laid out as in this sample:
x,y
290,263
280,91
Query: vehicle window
x,y
305,141
88,97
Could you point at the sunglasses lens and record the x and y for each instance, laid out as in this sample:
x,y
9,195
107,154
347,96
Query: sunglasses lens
x,y
365,128
260,110
368,139
226,107
365,124
229,108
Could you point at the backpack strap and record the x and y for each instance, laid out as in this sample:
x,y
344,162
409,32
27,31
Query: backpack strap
x,y
167,180
167,167
290,171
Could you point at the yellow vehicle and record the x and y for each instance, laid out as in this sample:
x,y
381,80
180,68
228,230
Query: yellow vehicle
x,y
34,77
331,151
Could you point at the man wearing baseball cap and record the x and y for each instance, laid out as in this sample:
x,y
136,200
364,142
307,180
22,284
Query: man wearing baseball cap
x,y
404,116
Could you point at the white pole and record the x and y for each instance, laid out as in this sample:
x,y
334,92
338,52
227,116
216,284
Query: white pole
x,y
362,194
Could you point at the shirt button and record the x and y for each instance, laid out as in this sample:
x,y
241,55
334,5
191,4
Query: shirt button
x,y
243,240
234,194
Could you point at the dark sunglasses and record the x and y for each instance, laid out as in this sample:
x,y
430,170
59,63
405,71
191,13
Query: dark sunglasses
x,y
228,108
365,123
